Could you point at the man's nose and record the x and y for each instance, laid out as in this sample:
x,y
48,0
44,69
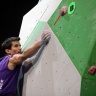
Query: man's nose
x,y
20,47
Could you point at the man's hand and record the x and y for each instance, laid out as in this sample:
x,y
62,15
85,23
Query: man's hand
x,y
46,36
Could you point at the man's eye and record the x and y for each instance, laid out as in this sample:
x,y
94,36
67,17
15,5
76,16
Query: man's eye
x,y
16,45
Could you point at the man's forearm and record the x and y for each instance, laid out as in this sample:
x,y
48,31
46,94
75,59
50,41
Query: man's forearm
x,y
32,50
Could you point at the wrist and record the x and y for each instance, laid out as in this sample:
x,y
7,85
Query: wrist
x,y
41,43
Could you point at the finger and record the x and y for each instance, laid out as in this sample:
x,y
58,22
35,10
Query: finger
x,y
48,37
47,34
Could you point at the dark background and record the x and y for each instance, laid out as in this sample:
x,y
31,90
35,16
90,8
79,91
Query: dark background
x,y
11,15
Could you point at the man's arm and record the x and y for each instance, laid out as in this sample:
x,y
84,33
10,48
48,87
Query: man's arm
x,y
35,58
19,58
28,63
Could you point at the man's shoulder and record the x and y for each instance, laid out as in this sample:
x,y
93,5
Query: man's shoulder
x,y
4,61
4,58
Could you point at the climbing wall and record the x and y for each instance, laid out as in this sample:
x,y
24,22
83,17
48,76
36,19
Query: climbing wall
x,y
61,68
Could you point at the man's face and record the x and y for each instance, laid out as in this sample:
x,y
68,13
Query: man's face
x,y
15,48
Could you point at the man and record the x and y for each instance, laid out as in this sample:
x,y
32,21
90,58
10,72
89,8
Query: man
x,y
10,64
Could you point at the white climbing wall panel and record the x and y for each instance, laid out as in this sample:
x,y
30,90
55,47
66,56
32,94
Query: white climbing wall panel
x,y
41,12
53,74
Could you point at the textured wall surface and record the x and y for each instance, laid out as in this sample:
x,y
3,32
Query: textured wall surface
x,y
53,73
61,67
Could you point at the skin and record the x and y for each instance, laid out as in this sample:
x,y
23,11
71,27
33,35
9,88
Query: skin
x,y
18,57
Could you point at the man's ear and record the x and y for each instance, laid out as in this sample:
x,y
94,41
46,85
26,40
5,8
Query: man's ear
x,y
7,51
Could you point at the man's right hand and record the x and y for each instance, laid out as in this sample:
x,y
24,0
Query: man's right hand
x,y
46,36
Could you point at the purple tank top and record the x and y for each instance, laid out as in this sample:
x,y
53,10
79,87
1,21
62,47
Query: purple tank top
x,y
8,78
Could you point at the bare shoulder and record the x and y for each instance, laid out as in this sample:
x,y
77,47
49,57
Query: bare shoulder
x,y
14,61
11,66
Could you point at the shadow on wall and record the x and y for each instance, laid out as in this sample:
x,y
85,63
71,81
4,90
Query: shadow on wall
x,y
25,68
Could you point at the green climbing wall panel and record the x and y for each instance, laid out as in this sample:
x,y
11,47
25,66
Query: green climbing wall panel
x,y
77,34
88,87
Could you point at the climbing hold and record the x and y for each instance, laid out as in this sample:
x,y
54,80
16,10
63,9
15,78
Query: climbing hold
x,y
63,10
92,70
71,8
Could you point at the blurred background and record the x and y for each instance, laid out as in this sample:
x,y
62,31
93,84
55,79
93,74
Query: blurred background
x,y
11,15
